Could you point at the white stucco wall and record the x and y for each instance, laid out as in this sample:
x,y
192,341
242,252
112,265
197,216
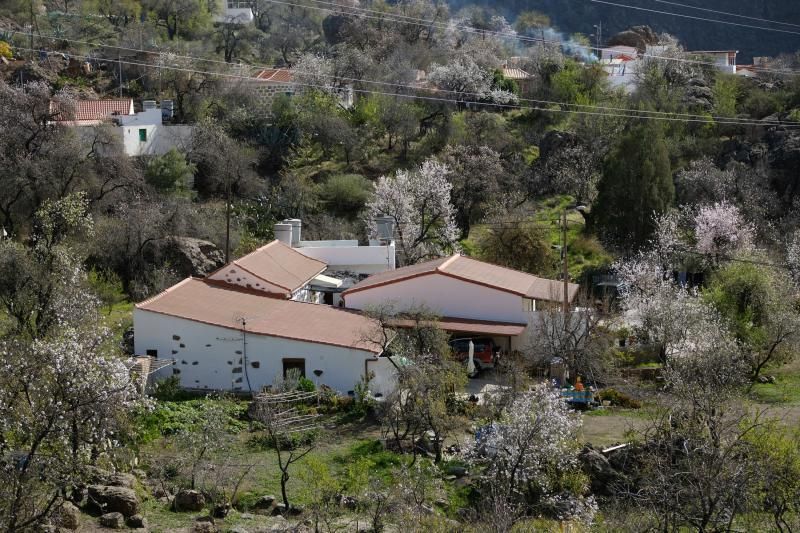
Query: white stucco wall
x,y
352,258
446,296
211,357
160,138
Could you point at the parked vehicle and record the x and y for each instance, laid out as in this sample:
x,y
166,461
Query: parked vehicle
x,y
486,351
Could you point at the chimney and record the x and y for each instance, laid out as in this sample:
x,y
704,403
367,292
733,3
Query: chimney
x,y
283,232
297,226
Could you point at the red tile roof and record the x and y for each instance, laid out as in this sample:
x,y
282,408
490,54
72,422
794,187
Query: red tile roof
x,y
276,75
281,265
474,271
225,305
93,110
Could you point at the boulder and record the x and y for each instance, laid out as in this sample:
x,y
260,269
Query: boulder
x,y
114,499
68,516
204,527
601,474
193,257
265,502
637,36
189,500
221,510
112,520
279,509
112,479
137,521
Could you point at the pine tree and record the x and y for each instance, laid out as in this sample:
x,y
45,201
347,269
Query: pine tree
x,y
636,185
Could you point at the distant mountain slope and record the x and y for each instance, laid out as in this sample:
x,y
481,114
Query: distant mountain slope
x,y
580,15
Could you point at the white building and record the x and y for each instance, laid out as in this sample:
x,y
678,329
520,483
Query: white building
x,y
724,60
472,297
260,315
235,11
142,133
224,337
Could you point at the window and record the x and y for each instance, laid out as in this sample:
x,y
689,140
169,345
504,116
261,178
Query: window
x,y
528,305
152,353
299,364
142,135
238,4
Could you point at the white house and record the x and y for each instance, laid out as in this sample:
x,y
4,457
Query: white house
x,y
259,315
235,11
472,297
226,337
142,133
724,60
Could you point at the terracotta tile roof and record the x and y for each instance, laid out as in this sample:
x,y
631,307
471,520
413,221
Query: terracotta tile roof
x,y
474,271
276,75
93,110
280,265
224,305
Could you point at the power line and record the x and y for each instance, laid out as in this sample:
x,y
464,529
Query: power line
x,y
740,24
380,15
726,13
708,120
638,112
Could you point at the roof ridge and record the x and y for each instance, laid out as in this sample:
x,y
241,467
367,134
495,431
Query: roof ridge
x,y
448,262
165,291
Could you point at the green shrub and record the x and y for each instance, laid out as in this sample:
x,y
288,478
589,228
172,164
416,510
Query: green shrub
x,y
345,194
618,399
306,385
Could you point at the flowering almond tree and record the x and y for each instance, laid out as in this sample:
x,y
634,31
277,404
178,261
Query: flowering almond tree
x,y
418,201
719,229
528,452
60,400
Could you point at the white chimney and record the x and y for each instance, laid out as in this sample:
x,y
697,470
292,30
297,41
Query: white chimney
x,y
283,232
297,226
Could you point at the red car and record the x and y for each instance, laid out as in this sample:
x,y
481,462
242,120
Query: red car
x,y
485,355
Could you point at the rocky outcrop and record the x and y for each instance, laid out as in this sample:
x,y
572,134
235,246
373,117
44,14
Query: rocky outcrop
x,y
189,500
112,520
114,499
637,36
602,475
68,516
193,257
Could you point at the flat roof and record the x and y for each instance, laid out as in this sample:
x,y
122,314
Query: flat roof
x,y
474,271
220,304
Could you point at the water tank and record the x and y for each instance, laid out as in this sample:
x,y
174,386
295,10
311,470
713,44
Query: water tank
x,y
385,228
297,226
167,109
149,104
283,232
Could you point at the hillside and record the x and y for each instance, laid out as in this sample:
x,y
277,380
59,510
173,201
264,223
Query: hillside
x,y
580,15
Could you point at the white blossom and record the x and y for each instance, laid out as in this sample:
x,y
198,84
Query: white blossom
x,y
418,201
721,230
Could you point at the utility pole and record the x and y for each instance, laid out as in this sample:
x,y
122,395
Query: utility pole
x,y
31,14
119,62
564,266
228,220
598,28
